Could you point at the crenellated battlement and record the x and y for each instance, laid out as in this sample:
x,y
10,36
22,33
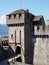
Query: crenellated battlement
x,y
14,19
28,36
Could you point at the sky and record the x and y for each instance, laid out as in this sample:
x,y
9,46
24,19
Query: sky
x,y
36,7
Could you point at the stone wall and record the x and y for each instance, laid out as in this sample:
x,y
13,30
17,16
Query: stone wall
x,y
34,44
41,51
12,40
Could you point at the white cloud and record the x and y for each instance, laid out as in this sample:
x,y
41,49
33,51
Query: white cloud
x,y
2,19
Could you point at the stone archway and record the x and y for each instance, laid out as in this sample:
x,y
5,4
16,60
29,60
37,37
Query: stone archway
x,y
18,50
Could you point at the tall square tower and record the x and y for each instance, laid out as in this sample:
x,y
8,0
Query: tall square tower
x,y
19,31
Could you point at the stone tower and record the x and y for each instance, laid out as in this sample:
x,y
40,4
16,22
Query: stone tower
x,y
19,26
28,37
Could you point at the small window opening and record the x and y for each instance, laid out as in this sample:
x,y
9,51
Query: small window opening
x,y
5,44
33,28
37,27
2,42
14,16
9,16
19,15
12,36
20,37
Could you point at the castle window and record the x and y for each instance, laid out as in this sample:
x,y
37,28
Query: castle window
x,y
9,16
33,28
37,27
12,36
20,37
19,15
14,16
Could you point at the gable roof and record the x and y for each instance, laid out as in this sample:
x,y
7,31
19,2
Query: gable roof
x,y
37,18
19,11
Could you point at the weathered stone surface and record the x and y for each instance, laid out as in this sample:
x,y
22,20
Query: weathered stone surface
x,y
34,37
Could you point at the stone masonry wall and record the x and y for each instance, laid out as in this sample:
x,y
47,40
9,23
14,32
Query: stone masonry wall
x,y
12,40
41,51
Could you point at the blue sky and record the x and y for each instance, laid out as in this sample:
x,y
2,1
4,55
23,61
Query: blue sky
x,y
36,7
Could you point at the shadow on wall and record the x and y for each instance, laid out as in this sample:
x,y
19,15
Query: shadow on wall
x,y
33,45
30,41
4,54
18,51
33,41
11,52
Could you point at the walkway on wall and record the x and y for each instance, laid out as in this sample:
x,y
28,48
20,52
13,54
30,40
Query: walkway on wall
x,y
4,62
14,58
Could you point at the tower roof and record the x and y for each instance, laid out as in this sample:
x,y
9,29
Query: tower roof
x,y
37,18
19,11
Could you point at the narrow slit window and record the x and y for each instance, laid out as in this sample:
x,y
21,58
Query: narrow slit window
x,y
19,15
12,36
14,16
37,27
20,37
9,16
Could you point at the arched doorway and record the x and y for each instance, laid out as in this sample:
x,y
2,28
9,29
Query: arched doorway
x,y
18,51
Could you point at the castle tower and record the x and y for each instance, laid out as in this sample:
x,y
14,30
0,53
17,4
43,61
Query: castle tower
x,y
19,27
